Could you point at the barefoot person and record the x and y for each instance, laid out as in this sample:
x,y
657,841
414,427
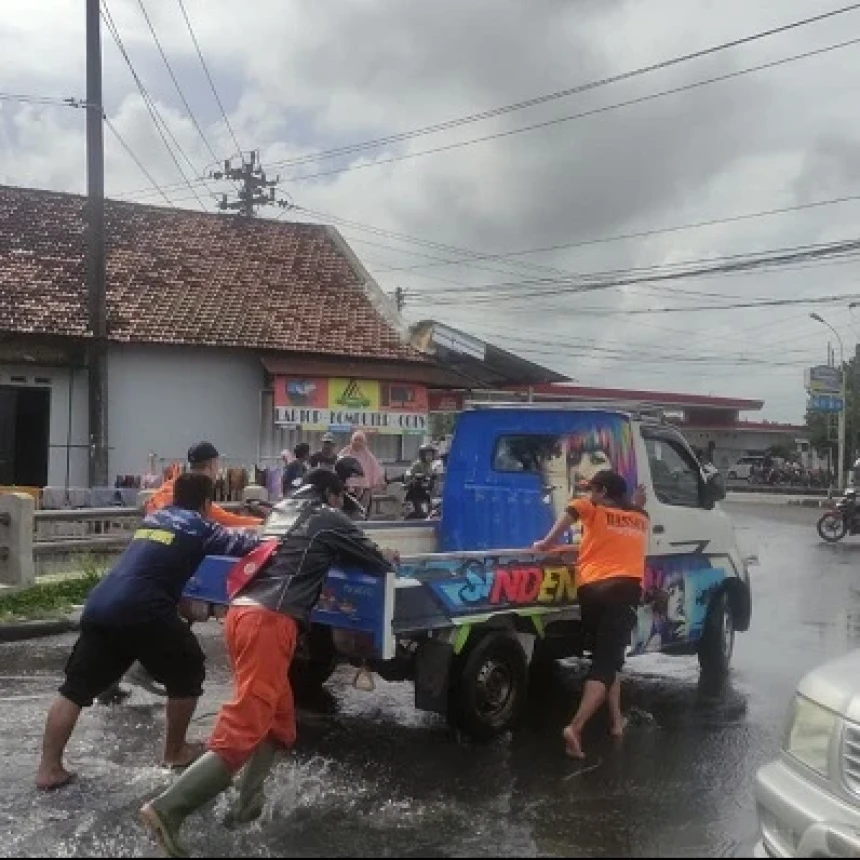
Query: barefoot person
x,y
132,615
610,569
262,626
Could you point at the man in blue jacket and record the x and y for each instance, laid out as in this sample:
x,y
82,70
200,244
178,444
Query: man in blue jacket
x,y
132,615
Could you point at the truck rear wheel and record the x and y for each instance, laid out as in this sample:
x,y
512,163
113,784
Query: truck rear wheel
x,y
489,686
314,661
718,639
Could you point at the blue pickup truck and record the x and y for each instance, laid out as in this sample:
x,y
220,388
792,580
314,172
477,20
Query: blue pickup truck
x,y
472,610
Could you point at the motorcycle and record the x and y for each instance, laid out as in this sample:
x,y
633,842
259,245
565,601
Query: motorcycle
x,y
418,501
841,520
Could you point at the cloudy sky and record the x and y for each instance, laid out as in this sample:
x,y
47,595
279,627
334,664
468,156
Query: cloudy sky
x,y
301,77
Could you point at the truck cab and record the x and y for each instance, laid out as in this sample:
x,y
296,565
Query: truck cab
x,y
472,609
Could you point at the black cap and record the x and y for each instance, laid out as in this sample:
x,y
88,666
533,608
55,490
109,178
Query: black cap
x,y
202,452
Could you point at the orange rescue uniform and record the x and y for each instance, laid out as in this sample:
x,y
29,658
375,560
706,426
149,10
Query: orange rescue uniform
x,y
614,542
163,497
261,644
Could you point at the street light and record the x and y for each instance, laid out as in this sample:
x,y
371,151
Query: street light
x,y
840,464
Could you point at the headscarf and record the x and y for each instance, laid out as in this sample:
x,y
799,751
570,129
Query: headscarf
x,y
374,474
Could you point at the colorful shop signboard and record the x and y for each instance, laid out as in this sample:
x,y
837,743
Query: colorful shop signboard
x,y
395,408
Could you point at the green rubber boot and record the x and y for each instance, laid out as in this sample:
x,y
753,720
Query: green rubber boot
x,y
202,782
252,795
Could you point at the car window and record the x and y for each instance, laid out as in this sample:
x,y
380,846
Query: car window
x,y
676,476
526,453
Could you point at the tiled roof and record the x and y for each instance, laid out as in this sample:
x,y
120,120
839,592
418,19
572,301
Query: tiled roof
x,y
180,277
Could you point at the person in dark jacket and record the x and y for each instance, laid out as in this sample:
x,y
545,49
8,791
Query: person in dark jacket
x,y
295,471
262,626
132,615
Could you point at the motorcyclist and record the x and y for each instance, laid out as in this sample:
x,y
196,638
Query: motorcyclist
x,y
420,481
423,466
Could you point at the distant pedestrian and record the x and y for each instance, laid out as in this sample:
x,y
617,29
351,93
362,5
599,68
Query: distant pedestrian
x,y
327,455
297,469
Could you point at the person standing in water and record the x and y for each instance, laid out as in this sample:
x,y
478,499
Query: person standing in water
x,y
610,571
132,615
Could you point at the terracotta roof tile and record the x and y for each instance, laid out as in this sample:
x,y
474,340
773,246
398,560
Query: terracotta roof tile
x,y
181,277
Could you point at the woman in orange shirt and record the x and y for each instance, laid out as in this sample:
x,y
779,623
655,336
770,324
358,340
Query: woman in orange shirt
x,y
610,570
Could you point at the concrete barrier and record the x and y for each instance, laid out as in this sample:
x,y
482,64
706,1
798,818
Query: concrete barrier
x,y
17,513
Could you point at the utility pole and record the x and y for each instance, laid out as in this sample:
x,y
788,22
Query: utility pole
x,y
254,189
95,254
399,299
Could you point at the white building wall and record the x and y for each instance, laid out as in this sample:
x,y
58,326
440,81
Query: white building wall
x,y
163,399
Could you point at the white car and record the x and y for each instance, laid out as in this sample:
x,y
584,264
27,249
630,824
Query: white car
x,y
808,800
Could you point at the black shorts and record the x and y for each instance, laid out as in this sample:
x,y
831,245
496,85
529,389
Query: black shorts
x,y
608,618
167,649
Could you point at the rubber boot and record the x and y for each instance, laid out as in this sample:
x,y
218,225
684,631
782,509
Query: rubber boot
x,y
202,782
252,795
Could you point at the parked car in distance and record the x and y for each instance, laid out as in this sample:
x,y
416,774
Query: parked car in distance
x,y
743,468
808,800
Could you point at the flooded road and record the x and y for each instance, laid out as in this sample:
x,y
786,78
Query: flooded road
x,y
373,777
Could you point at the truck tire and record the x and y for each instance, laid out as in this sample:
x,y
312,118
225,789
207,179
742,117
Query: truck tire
x,y
314,661
489,686
718,639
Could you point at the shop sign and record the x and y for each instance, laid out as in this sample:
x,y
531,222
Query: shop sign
x,y
395,408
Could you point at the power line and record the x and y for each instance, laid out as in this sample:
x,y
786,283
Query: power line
x,y
150,105
727,264
570,91
472,118
137,161
408,156
176,84
209,77
642,234
51,101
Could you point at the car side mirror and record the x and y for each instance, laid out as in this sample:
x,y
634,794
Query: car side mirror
x,y
715,488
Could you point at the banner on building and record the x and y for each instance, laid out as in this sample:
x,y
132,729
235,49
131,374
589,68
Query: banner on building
x,y
335,405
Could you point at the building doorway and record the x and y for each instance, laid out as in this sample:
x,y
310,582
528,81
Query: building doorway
x,y
25,420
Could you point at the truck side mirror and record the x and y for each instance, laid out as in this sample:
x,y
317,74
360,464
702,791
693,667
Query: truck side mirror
x,y
715,488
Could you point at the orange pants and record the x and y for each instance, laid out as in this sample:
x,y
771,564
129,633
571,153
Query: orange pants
x,y
261,645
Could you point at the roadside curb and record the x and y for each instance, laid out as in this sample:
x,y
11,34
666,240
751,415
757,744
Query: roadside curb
x,y
793,501
20,631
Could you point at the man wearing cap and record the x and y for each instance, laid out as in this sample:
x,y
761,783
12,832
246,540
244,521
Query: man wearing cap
x,y
203,459
327,455
610,569
132,615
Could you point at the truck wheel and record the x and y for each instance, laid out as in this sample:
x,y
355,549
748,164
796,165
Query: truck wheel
x,y
718,640
489,687
315,660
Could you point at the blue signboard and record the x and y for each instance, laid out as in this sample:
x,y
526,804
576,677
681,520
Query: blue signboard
x,y
825,403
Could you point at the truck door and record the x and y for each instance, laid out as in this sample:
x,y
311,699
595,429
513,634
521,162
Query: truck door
x,y
689,550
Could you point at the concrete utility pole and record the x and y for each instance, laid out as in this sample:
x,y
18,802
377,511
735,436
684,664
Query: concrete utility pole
x,y
95,254
254,189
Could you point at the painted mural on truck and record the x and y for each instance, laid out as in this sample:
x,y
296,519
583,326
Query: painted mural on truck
x,y
677,591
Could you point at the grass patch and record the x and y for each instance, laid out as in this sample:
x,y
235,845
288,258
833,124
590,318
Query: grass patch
x,y
51,599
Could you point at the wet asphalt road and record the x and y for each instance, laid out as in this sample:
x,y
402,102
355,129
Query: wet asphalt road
x,y
371,776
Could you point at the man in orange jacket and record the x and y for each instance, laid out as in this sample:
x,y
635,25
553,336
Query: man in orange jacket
x,y
202,458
